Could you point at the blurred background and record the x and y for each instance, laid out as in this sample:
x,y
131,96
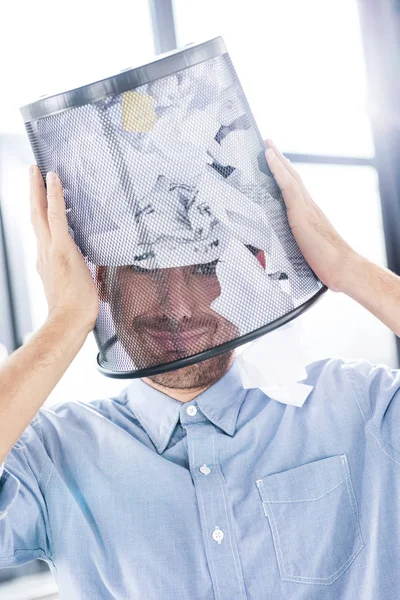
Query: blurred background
x,y
321,77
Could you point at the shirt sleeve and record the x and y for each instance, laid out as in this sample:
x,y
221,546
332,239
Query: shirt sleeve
x,y
23,513
377,390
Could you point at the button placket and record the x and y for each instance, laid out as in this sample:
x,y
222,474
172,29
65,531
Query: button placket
x,y
215,512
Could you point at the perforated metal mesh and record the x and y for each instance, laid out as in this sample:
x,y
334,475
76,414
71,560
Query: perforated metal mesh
x,y
170,200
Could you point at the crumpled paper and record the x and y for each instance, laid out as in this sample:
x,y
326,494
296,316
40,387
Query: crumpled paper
x,y
244,281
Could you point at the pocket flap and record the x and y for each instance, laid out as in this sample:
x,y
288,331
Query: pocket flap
x,y
307,482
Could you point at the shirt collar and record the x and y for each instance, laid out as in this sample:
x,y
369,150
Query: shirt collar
x,y
159,414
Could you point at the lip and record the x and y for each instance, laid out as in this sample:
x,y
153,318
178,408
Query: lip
x,y
171,340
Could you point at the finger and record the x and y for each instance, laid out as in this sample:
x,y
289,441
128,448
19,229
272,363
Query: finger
x,y
288,185
282,158
38,205
289,167
56,208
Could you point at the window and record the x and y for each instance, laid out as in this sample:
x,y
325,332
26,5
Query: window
x,y
49,57
52,46
301,65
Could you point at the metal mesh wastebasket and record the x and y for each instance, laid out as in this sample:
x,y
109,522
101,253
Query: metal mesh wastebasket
x,y
171,202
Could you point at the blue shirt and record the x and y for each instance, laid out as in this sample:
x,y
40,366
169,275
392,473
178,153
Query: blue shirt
x,y
232,496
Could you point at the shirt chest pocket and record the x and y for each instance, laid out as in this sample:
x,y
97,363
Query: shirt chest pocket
x,y
313,516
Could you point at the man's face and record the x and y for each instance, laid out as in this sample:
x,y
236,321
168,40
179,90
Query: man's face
x,y
163,315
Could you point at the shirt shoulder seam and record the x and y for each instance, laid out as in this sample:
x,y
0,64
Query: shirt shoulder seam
x,y
357,390
386,448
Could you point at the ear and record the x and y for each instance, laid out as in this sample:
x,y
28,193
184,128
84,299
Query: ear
x,y
101,273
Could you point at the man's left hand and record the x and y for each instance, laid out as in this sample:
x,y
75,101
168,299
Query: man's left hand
x,y
324,249
340,267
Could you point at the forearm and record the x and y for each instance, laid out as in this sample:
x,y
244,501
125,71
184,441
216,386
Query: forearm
x,y
375,288
31,373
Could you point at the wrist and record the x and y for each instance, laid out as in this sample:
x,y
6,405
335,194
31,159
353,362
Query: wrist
x,y
69,321
352,273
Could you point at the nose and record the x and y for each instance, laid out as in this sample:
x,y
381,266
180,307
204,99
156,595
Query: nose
x,y
176,298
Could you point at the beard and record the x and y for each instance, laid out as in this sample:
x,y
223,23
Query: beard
x,y
200,375
145,353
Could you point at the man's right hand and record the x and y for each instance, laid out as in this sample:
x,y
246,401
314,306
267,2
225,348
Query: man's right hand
x,y
68,284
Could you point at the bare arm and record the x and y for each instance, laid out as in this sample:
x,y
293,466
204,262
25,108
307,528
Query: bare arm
x,y
30,374
374,287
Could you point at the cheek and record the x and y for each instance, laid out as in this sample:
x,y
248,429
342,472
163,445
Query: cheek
x,y
136,295
205,290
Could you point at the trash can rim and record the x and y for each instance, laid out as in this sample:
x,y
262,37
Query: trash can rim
x,y
162,65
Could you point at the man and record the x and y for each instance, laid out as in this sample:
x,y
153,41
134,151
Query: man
x,y
187,486
155,332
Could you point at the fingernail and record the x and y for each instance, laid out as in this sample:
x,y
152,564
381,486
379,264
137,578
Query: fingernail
x,y
270,142
270,153
51,176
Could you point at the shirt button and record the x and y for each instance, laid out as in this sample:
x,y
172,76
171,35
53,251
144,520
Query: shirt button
x,y
217,534
191,410
205,470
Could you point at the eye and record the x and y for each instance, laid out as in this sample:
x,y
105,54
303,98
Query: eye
x,y
207,269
